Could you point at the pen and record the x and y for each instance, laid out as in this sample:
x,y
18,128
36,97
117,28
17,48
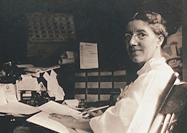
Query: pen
x,y
94,109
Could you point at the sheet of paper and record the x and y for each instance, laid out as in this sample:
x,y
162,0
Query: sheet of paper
x,y
28,83
81,131
54,107
10,93
72,103
43,120
44,69
18,108
88,55
2,95
67,61
33,69
24,65
70,54
54,90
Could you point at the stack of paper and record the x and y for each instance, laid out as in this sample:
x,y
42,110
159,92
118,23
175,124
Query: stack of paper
x,y
9,104
3,100
18,109
32,69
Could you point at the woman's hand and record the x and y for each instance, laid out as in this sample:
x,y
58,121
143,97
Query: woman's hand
x,y
71,122
95,113
63,119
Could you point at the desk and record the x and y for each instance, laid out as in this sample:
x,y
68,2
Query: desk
x,y
10,124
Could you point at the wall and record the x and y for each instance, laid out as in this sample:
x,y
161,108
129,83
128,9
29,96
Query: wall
x,y
95,21
100,21
184,41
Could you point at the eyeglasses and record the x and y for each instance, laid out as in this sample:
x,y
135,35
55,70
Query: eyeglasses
x,y
137,36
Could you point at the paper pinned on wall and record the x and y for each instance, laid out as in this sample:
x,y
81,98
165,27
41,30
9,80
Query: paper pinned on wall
x,y
88,55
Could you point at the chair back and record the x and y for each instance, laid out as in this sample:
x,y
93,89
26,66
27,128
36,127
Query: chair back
x,y
171,104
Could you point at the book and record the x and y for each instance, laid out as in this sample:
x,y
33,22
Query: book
x,y
42,119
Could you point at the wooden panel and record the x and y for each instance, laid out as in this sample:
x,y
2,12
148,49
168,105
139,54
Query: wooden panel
x,y
106,73
99,84
93,85
93,73
105,84
120,72
79,96
119,84
92,98
81,74
104,97
80,85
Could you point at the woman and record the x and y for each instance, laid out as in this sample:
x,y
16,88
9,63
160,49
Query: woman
x,y
135,108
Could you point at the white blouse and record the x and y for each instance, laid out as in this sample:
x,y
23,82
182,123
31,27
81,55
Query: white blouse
x,y
133,113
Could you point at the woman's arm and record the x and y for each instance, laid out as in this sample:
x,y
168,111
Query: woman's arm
x,y
72,122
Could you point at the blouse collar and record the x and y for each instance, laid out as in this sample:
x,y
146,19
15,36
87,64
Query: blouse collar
x,y
150,64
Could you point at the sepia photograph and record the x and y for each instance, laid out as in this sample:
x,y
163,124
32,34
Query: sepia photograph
x,y
93,66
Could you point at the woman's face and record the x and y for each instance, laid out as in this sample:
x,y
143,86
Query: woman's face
x,y
141,42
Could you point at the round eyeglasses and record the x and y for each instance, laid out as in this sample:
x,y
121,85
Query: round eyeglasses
x,y
137,36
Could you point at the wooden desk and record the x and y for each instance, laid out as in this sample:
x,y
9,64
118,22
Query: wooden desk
x,y
10,124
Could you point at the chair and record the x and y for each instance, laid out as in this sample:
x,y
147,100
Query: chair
x,y
171,104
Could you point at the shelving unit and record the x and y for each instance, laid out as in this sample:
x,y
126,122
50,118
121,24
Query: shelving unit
x,y
97,85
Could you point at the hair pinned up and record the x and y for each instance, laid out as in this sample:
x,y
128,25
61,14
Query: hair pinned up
x,y
158,24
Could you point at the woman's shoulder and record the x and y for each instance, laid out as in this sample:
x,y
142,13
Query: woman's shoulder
x,y
165,68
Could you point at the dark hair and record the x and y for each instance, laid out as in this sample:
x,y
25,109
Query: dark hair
x,y
156,21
